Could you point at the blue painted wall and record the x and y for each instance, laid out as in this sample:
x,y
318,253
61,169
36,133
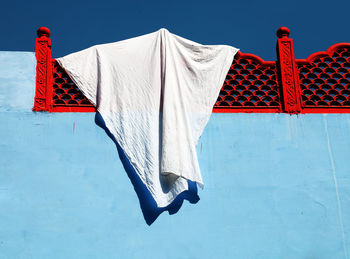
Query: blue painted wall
x,y
276,186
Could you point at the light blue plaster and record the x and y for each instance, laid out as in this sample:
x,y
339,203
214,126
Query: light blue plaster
x,y
17,80
269,189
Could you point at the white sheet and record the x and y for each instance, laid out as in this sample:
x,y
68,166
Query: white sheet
x,y
155,93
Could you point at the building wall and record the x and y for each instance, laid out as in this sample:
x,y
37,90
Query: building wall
x,y
276,186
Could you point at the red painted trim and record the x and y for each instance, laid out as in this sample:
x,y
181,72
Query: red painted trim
x,y
246,110
328,53
288,77
43,90
277,110
49,81
321,109
256,58
65,108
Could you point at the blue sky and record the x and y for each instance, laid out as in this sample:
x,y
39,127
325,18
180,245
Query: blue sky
x,y
248,25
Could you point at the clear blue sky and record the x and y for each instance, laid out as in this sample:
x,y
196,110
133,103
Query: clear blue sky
x,y
248,25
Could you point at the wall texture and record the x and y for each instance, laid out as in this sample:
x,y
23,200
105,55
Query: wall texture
x,y
276,186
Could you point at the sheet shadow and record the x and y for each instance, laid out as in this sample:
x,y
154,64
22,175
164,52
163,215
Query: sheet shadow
x,y
148,205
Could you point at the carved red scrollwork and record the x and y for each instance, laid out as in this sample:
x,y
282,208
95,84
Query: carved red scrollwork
x,y
43,93
288,72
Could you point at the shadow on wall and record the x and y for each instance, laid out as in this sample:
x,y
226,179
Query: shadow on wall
x,y
148,205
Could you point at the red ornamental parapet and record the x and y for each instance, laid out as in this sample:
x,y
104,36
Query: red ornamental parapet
x,y
251,85
325,80
318,84
55,91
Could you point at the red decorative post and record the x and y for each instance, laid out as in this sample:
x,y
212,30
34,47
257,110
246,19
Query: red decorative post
x,y
43,93
291,98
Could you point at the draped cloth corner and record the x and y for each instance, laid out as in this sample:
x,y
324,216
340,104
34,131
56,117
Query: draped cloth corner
x,y
155,93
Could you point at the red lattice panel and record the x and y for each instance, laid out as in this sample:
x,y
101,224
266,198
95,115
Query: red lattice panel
x,y
317,84
325,81
249,84
65,92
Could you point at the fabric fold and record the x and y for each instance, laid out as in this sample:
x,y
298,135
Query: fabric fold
x,y
155,93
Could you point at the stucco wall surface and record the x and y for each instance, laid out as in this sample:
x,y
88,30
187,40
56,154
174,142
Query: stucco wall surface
x,y
276,186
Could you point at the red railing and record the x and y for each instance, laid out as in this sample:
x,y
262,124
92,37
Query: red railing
x,y
250,85
318,84
325,80
66,95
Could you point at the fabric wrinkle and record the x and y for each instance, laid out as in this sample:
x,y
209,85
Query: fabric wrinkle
x,y
155,93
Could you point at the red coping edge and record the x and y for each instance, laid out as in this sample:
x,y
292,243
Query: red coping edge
x,y
328,53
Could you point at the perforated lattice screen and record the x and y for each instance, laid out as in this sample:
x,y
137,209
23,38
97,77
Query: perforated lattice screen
x,y
65,92
249,84
326,82
317,84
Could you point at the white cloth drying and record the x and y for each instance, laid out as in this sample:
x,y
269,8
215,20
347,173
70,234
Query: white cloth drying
x,y
155,93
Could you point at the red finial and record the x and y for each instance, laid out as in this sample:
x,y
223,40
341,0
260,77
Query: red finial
x,y
283,32
43,31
